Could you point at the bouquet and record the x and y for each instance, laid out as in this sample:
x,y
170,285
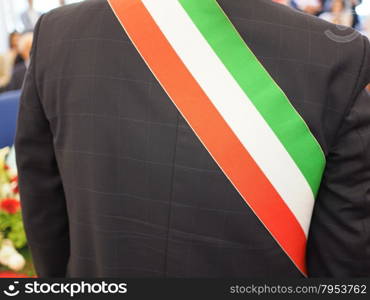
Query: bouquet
x,y
12,235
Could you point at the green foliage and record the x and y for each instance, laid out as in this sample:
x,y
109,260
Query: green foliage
x,y
11,227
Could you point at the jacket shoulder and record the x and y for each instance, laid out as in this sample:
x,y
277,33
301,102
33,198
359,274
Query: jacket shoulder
x,y
87,19
320,66
273,29
78,16
86,6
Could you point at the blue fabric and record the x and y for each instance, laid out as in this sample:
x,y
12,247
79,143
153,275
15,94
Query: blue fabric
x,y
9,104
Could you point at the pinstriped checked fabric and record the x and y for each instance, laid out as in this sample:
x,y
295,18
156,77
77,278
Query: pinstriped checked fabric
x,y
114,182
235,108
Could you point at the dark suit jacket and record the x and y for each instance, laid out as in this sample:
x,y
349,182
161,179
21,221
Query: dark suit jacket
x,y
114,182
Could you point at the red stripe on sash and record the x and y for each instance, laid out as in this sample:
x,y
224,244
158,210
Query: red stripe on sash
x,y
212,130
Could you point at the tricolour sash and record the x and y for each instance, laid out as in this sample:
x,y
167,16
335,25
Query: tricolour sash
x,y
236,109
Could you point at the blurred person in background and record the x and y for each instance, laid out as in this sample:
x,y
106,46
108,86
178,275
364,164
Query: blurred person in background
x,y
62,2
29,17
312,7
9,59
366,27
355,18
339,13
24,49
285,2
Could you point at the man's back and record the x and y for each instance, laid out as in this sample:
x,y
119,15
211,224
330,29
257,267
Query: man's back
x,y
127,189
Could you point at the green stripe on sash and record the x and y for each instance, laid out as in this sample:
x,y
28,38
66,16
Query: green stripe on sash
x,y
260,87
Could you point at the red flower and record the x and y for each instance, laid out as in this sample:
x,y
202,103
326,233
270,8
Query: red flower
x,y
16,189
14,182
11,206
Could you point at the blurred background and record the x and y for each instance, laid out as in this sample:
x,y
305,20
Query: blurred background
x,y
17,21
12,16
